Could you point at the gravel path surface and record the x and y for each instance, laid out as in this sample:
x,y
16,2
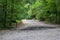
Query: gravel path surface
x,y
43,34
34,33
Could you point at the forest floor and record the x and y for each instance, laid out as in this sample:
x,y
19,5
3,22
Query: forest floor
x,y
32,30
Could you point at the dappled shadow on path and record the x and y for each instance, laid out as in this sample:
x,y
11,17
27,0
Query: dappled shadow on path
x,y
37,28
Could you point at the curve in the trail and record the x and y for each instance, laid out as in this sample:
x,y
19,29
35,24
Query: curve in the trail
x,y
36,23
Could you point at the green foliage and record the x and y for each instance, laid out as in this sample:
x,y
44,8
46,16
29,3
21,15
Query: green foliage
x,y
44,10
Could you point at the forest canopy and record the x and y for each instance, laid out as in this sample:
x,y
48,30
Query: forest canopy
x,y
43,10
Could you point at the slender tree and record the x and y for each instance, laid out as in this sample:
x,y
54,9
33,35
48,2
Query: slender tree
x,y
12,11
5,12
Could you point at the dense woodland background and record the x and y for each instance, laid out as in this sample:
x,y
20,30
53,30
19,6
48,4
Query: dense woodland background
x,y
16,10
